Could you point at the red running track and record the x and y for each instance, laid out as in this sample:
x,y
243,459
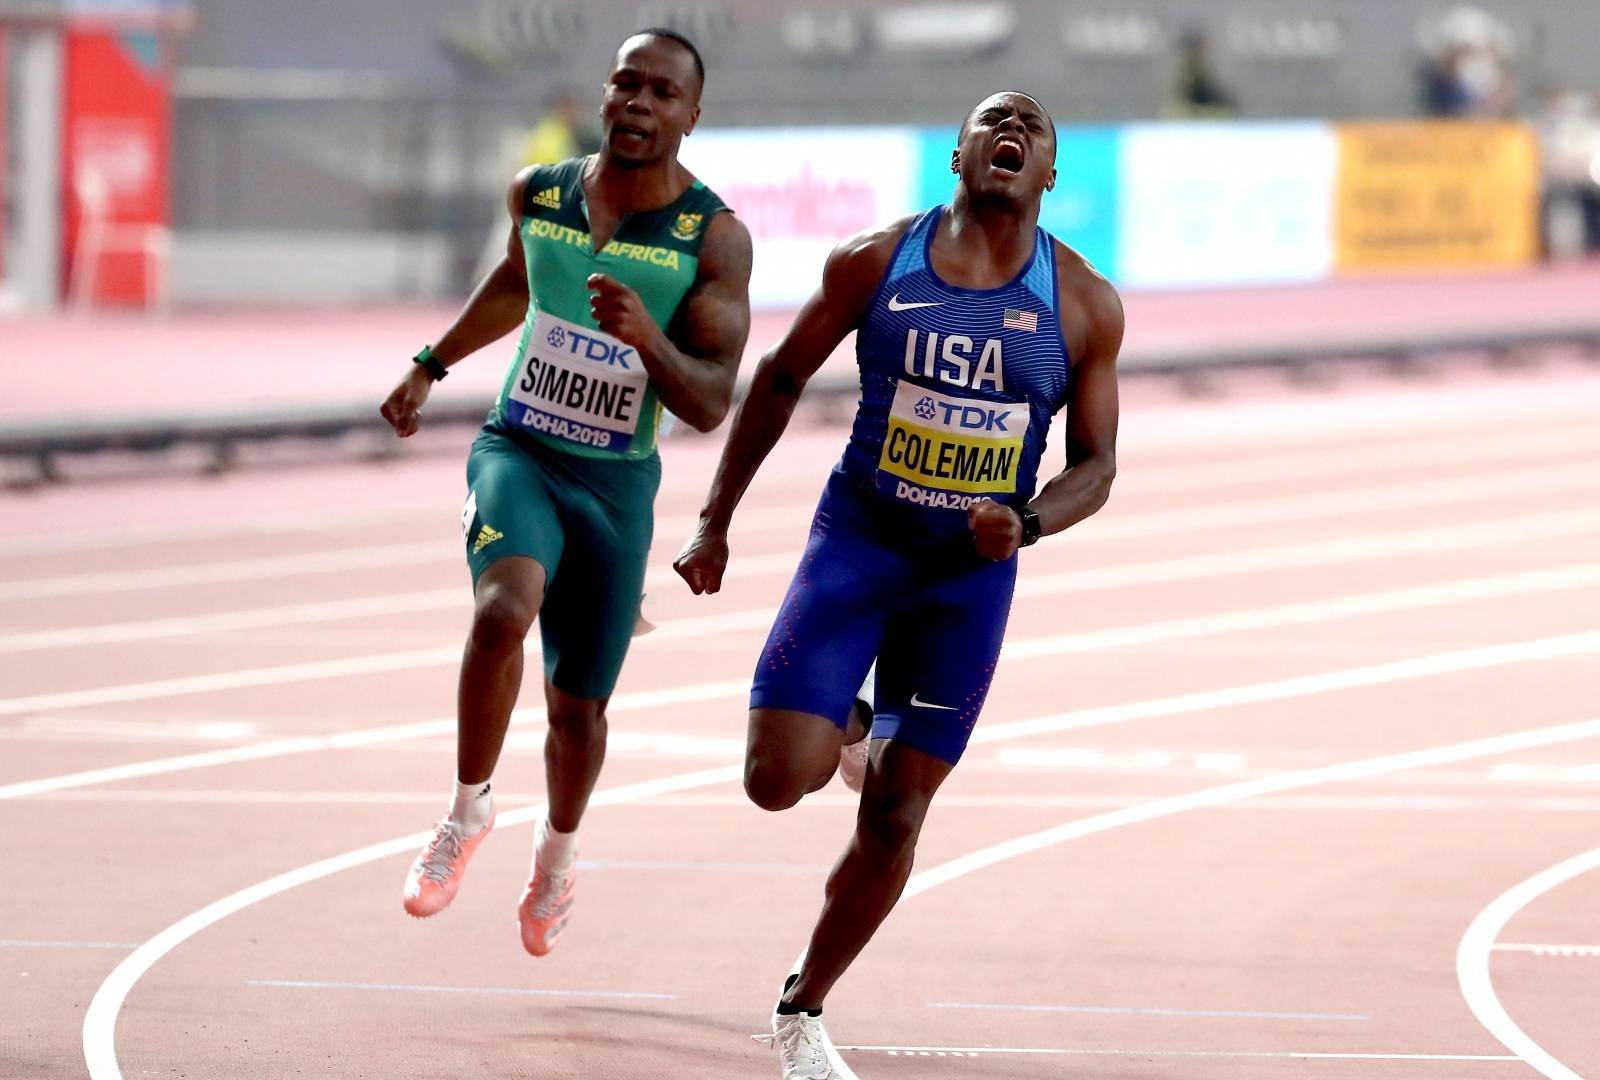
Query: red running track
x,y
1157,861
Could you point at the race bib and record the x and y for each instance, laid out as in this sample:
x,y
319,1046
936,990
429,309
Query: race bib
x,y
944,451
578,384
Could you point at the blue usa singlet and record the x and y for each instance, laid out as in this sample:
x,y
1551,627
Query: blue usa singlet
x,y
958,386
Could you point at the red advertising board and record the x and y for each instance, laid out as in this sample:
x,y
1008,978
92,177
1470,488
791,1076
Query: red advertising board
x,y
116,163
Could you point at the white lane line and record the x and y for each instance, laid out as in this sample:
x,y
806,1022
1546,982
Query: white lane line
x,y
458,599
1207,798
1472,962
1342,461
1164,630
100,1020
1024,648
99,1024
300,564
1372,546
1556,438
254,569
29,943
427,515
1346,549
344,667
982,1051
1296,614
1101,528
331,518
1130,1010
345,740
423,988
1312,506
706,867
1402,803
1551,950
1297,686
1472,957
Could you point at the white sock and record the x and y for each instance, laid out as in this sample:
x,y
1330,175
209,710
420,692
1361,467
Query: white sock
x,y
553,849
472,808
869,686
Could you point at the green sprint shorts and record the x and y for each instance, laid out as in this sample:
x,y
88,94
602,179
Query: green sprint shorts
x,y
588,522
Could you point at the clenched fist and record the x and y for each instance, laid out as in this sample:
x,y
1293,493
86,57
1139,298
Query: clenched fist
x,y
403,407
619,311
703,560
996,529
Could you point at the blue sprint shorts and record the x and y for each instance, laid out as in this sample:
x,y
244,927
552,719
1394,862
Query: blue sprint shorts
x,y
933,618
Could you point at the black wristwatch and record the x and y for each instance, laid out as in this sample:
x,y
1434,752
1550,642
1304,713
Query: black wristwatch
x,y
1031,529
430,363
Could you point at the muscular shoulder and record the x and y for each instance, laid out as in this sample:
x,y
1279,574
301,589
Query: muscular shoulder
x,y
1091,311
859,262
534,178
726,252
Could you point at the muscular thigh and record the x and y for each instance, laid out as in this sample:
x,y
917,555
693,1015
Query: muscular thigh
x,y
592,602
830,626
938,660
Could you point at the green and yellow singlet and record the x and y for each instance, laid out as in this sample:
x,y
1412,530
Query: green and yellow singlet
x,y
572,386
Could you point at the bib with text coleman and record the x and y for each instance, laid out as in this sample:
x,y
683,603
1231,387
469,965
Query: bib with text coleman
x,y
572,386
958,386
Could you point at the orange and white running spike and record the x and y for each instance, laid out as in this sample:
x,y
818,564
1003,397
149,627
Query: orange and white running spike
x,y
436,874
545,907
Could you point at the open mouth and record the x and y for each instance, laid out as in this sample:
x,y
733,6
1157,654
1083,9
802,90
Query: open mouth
x,y
628,131
1009,155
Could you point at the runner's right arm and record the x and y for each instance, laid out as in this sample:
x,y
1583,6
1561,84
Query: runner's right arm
x,y
496,307
849,280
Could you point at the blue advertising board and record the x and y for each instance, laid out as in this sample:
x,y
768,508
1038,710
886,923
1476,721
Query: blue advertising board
x,y
1082,210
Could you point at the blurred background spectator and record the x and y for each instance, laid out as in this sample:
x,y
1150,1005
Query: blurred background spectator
x,y
566,130
1197,92
1466,71
1569,137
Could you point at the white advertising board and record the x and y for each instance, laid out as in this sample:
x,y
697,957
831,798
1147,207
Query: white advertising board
x,y
802,190
1226,204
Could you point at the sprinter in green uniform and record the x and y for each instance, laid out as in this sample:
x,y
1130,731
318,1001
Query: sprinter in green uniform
x,y
631,285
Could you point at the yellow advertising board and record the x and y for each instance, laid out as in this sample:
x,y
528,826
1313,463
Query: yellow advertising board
x,y
1436,196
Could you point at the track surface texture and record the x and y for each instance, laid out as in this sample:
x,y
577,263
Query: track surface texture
x,y
1291,770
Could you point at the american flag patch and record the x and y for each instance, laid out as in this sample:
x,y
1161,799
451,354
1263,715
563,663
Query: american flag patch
x,y
1020,320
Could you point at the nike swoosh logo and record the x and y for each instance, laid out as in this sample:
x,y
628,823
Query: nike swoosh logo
x,y
896,304
929,705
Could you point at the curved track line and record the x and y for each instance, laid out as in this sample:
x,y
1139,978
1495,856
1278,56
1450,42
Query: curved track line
x,y
99,1026
1491,921
1205,798
100,1021
1472,962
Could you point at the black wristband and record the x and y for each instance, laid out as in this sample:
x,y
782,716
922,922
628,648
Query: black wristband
x,y
1031,529
430,363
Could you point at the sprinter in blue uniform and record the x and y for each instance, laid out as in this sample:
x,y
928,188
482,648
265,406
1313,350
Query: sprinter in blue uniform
x,y
974,328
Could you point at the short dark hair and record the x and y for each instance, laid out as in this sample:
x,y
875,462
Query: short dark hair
x,y
1022,93
673,35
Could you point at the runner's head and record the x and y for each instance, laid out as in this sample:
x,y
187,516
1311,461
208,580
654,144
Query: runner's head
x,y
652,97
1006,149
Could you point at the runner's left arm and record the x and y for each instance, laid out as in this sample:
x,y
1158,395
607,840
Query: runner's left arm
x,y
1094,311
1092,413
692,367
